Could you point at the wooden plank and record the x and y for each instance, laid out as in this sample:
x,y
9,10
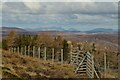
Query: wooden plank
x,y
89,65
89,55
80,64
96,73
89,69
89,73
74,54
89,61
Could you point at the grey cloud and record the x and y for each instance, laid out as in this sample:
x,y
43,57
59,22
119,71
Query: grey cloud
x,y
64,14
64,8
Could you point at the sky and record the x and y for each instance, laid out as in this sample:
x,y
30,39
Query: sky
x,y
80,16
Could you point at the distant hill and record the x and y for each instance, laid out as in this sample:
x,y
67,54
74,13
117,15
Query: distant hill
x,y
100,30
49,29
72,30
6,30
53,31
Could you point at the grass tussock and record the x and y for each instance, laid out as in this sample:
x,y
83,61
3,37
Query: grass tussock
x,y
19,66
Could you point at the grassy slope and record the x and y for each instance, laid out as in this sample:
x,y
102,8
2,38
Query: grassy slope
x,y
16,65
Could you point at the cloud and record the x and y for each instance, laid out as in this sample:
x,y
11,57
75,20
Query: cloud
x,y
32,5
60,0
65,14
62,7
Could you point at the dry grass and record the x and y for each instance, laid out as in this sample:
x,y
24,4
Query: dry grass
x,y
16,65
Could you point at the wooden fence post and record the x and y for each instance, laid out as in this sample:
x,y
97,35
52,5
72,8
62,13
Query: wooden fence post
x,y
14,49
25,50
87,64
18,49
92,55
105,65
33,51
39,52
92,66
22,50
28,50
77,58
118,61
9,49
45,53
108,66
62,56
53,54
71,54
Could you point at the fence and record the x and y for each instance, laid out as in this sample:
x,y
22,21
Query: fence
x,y
84,63
38,52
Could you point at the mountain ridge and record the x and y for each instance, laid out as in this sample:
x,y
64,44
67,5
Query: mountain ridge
x,y
96,30
6,30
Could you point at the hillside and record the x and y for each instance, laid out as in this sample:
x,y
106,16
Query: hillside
x,y
5,31
18,66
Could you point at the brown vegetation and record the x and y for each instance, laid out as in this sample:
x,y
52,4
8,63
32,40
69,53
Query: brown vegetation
x,y
18,66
